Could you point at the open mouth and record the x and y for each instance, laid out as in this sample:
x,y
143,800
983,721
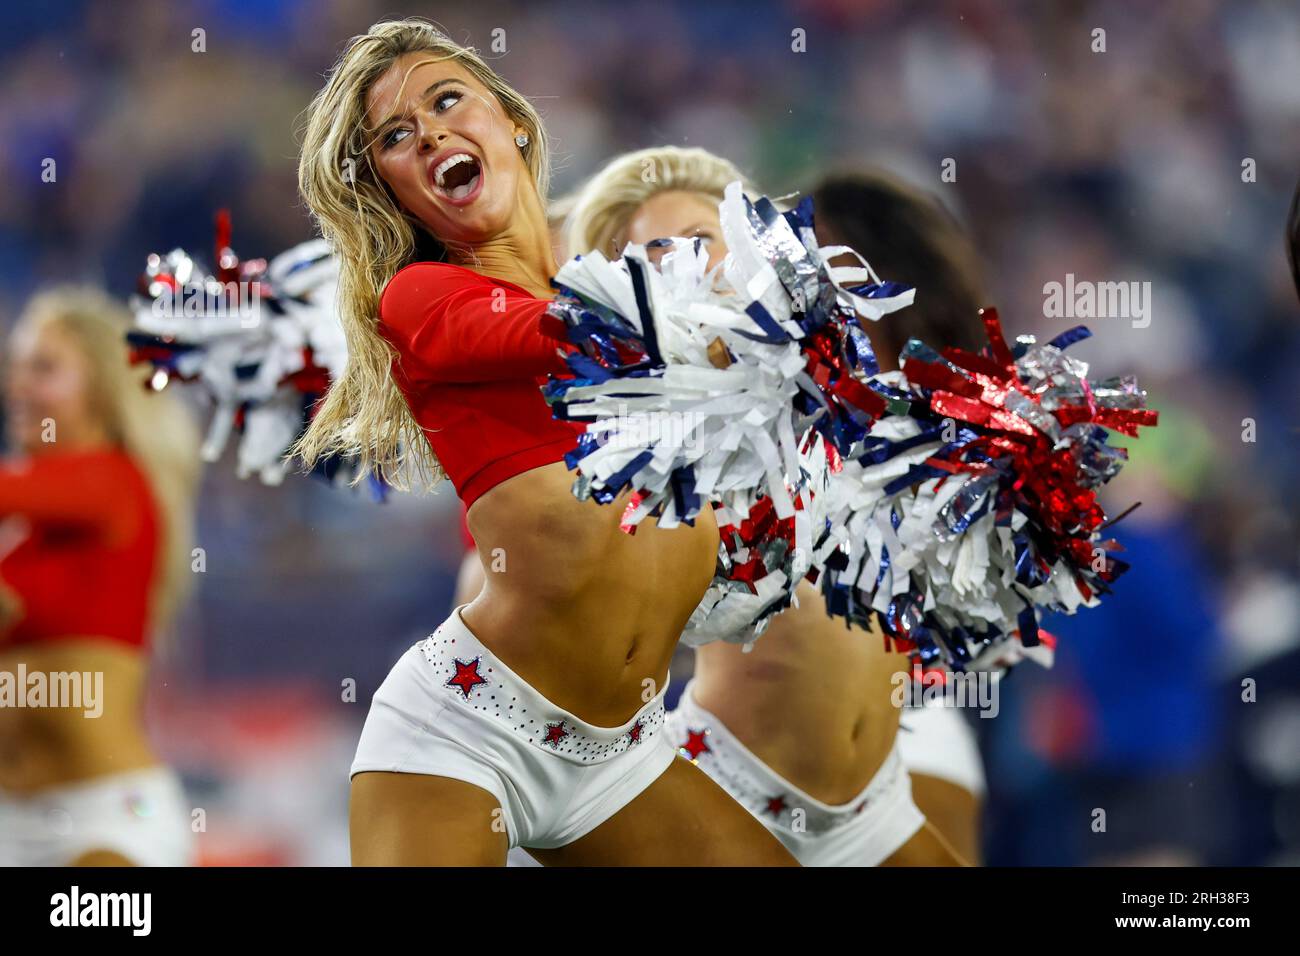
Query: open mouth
x,y
458,177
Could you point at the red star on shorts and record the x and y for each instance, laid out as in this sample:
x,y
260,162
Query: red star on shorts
x,y
634,735
695,744
554,734
467,676
775,805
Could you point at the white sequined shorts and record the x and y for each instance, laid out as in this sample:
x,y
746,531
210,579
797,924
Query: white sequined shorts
x,y
863,832
140,814
450,708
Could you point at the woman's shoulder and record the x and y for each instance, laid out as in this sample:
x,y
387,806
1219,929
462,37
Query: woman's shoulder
x,y
408,295
91,464
422,290
105,480
439,272
416,285
426,277
442,277
116,467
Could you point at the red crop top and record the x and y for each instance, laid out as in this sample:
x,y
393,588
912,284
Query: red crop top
x,y
85,566
473,353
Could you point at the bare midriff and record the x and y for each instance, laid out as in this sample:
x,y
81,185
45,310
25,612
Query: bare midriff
x,y
812,699
586,613
50,746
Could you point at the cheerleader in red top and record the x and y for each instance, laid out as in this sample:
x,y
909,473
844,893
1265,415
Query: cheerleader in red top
x,y
532,716
95,519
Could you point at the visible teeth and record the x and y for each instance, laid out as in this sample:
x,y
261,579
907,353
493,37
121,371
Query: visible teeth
x,y
448,163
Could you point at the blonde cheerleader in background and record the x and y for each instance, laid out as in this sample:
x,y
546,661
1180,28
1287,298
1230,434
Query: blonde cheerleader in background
x,y
97,505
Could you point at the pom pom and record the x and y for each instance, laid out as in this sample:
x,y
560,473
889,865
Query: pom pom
x,y
762,558
729,388
262,340
697,389
965,504
962,520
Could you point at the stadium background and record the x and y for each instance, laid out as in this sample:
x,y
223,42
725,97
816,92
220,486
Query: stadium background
x,y
1125,165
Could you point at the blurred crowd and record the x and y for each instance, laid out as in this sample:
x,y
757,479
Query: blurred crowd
x,y
1162,149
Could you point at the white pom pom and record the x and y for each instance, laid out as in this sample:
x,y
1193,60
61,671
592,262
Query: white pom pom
x,y
242,359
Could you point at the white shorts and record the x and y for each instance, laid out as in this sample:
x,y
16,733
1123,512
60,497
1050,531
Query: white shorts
x,y
450,708
938,742
866,831
142,815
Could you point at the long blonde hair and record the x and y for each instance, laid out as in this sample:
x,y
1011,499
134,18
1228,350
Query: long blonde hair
x,y
155,430
364,413
609,200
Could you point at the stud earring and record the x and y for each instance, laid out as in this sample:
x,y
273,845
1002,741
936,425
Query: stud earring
x,y
521,140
